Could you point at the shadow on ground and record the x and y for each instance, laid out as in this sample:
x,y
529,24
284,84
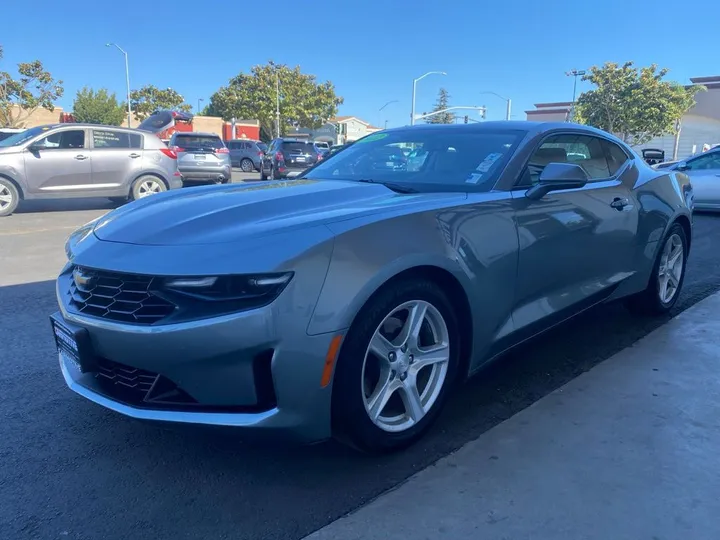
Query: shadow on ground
x,y
64,205
75,470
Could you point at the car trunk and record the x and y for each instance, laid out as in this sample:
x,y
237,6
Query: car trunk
x,y
199,150
299,155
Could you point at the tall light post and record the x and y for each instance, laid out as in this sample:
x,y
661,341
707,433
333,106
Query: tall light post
x,y
575,74
388,103
508,101
412,113
277,102
127,78
200,100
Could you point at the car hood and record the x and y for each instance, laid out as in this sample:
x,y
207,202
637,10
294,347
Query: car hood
x,y
217,214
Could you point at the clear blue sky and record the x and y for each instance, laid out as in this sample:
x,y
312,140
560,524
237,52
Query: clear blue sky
x,y
370,49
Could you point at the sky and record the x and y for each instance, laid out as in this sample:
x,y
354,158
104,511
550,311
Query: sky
x,y
370,49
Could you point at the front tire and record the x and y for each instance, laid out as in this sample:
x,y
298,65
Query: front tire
x,y
146,186
668,275
396,367
9,197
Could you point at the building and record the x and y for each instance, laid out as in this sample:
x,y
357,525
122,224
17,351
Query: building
x,y
699,127
338,130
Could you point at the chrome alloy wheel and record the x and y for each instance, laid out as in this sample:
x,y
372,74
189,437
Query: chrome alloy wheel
x,y
149,187
6,197
671,268
405,366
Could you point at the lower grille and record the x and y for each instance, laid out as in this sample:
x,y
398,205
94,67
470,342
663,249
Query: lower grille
x,y
125,383
116,296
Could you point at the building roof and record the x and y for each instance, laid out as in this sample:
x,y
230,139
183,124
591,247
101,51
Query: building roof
x,y
344,119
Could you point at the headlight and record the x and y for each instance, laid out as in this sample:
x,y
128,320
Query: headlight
x,y
78,236
214,295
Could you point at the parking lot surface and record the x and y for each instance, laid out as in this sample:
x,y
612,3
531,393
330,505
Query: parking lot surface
x,y
72,470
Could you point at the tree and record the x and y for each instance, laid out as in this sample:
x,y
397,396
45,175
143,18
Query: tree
x,y
634,104
149,99
303,100
98,107
34,88
443,102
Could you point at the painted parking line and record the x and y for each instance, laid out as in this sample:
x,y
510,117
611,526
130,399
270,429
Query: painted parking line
x,y
35,231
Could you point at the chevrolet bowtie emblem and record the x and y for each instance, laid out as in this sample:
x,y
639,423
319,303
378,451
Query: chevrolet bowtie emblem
x,y
83,281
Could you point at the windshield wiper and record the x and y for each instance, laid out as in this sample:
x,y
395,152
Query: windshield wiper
x,y
399,188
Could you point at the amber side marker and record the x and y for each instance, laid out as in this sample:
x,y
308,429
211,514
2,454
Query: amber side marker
x,y
330,359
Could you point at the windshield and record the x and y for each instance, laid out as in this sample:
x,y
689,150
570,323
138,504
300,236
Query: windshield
x,y
18,138
447,158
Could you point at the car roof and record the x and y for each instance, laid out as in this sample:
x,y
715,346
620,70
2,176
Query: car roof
x,y
531,127
71,125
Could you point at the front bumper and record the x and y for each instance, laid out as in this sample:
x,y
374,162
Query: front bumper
x,y
235,370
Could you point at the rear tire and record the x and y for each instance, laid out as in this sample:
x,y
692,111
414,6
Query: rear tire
x,y
667,277
262,174
9,197
387,398
247,166
145,186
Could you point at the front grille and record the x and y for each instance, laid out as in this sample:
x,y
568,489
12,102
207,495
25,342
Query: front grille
x,y
118,297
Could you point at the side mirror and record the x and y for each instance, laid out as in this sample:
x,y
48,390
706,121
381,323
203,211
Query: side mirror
x,y
35,148
682,166
558,176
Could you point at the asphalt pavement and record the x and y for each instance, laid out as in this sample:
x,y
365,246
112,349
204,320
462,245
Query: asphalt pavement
x,y
72,470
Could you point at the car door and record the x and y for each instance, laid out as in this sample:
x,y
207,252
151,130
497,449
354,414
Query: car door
x,y
59,162
704,173
576,245
235,148
116,157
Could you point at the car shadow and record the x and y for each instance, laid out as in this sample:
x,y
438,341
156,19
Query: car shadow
x,y
73,463
64,205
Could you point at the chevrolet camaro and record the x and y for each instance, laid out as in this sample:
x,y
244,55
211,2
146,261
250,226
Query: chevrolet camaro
x,y
351,301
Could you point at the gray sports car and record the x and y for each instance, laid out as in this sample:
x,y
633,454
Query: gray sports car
x,y
351,301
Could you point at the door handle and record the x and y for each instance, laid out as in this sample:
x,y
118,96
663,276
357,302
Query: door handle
x,y
619,203
80,157
134,155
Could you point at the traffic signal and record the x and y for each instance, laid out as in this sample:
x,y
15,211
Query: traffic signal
x,y
466,118
337,128
482,113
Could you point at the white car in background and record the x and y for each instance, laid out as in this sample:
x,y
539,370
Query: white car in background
x,y
704,172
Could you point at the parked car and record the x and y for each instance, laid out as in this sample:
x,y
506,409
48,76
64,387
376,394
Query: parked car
x,y
202,157
322,147
287,158
245,154
704,172
61,161
335,148
7,132
351,301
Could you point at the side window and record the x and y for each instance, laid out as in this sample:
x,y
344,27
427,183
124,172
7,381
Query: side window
x,y
583,150
63,140
616,157
708,161
116,139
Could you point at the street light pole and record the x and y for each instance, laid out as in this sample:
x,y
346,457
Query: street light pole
x,y
200,100
415,81
127,78
508,101
277,104
575,74
388,103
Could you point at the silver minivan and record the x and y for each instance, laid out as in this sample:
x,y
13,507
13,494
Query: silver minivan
x,y
81,160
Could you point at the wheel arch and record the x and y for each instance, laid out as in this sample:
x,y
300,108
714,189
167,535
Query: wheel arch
x,y
685,223
452,287
14,183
